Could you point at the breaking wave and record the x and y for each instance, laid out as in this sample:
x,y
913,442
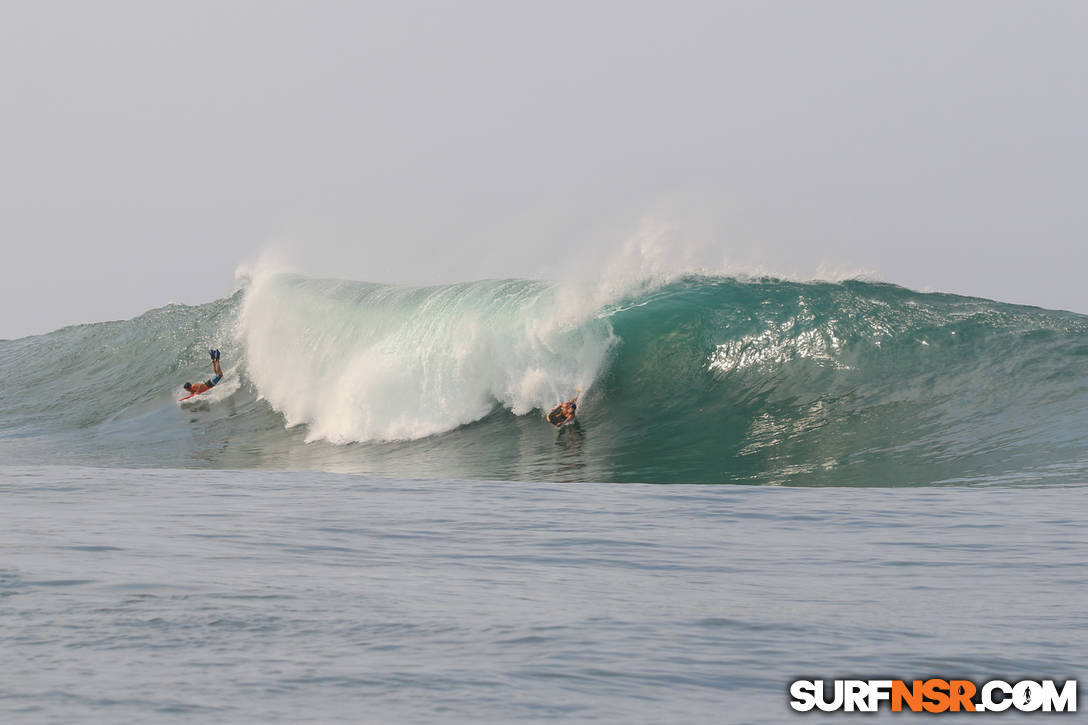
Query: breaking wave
x,y
697,379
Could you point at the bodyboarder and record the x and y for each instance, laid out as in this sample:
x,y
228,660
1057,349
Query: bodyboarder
x,y
563,413
198,388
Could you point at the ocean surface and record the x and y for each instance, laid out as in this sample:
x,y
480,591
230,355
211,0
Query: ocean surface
x,y
249,596
369,519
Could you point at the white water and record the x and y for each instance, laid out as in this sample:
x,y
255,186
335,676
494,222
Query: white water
x,y
359,362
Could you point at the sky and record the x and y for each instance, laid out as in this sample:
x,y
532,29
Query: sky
x,y
147,149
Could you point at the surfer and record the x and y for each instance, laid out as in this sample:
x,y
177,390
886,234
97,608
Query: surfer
x,y
563,413
198,388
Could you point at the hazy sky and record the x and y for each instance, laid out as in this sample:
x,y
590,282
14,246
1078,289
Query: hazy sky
x,y
148,148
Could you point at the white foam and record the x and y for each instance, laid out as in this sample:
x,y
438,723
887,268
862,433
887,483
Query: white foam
x,y
357,362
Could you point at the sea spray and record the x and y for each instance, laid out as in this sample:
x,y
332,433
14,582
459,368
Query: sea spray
x,y
358,362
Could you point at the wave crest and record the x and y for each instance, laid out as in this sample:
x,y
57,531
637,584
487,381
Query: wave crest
x,y
359,362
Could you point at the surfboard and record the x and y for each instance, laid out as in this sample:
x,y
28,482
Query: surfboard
x,y
554,415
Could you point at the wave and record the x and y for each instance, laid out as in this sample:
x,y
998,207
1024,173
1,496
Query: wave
x,y
356,362
694,379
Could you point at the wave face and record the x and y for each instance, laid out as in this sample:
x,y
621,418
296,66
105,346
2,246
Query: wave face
x,y
698,380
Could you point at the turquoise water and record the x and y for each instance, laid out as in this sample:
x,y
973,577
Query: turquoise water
x,y
369,519
700,380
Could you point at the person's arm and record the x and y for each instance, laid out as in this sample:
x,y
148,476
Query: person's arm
x,y
218,370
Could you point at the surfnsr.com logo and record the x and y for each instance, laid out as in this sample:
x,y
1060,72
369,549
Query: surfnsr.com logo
x,y
933,695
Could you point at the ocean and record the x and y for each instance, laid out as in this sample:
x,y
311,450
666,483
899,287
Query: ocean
x,y
369,519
